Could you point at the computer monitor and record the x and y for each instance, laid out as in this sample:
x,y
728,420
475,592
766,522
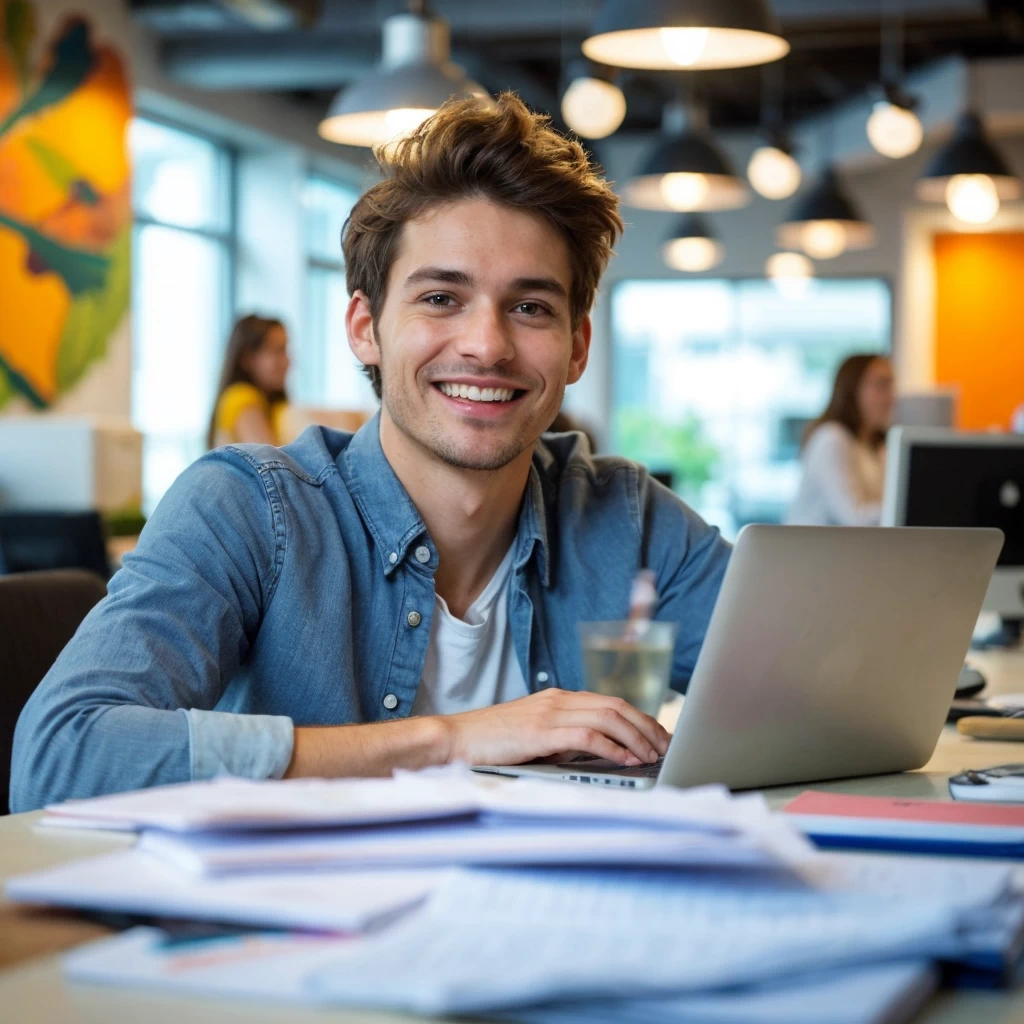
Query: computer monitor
x,y
944,478
52,540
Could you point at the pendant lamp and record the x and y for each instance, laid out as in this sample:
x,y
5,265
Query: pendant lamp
x,y
415,77
687,170
791,273
773,171
969,174
592,105
667,35
691,245
826,221
893,128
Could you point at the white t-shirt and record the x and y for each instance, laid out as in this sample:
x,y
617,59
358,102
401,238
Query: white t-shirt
x,y
842,481
471,663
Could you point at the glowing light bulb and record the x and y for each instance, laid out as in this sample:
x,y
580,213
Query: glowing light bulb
x,y
894,131
693,254
823,239
972,198
684,190
403,120
773,173
684,46
593,108
790,272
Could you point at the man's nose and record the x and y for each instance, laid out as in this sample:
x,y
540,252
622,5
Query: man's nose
x,y
485,337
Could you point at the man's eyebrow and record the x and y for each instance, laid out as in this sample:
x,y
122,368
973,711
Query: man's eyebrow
x,y
449,275
445,274
540,284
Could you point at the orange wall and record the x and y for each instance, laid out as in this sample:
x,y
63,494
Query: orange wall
x,y
979,324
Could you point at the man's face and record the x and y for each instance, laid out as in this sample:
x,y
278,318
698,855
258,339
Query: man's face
x,y
474,342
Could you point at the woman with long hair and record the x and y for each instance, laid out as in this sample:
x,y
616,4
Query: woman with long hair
x,y
251,396
844,448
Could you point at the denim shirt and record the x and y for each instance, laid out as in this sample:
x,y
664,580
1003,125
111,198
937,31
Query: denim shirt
x,y
276,586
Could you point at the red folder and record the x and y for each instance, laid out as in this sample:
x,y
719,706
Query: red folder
x,y
927,826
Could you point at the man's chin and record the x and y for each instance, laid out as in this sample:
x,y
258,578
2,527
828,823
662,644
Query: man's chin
x,y
482,458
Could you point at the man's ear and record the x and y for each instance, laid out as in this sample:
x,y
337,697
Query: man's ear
x,y
359,325
580,349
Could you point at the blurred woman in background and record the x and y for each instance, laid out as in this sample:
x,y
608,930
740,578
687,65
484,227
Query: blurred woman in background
x,y
251,399
843,455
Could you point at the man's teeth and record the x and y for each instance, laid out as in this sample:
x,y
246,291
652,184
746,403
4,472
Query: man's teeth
x,y
475,394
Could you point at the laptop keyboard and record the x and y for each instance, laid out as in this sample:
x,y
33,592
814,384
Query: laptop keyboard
x,y
597,765
641,771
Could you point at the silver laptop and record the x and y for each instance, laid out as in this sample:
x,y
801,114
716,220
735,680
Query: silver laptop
x,y
832,652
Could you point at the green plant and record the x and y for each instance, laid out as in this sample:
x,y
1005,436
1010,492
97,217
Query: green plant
x,y
659,444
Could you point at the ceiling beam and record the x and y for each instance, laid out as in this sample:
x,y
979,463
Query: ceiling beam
x,y
267,62
318,62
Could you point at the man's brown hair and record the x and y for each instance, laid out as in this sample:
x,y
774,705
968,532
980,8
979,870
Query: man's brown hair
x,y
498,151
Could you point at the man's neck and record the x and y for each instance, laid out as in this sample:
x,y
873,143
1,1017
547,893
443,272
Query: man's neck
x,y
471,515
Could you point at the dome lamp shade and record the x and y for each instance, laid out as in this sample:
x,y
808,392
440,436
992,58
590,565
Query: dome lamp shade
x,y
673,35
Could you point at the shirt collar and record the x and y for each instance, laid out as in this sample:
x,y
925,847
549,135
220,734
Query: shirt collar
x,y
394,520
533,517
385,504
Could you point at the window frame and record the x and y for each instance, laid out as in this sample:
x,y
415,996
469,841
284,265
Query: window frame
x,y
607,316
225,238
228,236
315,362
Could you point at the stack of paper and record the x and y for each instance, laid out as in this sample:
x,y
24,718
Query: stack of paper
x,y
239,851
437,818
274,966
492,896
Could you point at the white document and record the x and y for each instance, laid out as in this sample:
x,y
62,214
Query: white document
x,y
276,967
132,882
487,940
874,994
506,842
232,803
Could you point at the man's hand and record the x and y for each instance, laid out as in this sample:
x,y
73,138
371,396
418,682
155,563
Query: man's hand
x,y
553,721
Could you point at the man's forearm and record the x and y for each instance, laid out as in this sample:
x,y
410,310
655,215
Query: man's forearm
x,y
375,749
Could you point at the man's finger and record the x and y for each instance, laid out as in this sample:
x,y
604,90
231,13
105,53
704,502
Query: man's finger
x,y
593,741
614,726
654,733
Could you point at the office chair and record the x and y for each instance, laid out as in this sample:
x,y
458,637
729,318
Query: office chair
x,y
39,613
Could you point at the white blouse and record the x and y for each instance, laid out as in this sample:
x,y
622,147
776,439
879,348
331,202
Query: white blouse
x,y
842,481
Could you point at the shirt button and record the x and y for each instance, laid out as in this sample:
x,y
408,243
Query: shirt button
x,y
414,619
422,553
393,557
391,702
542,677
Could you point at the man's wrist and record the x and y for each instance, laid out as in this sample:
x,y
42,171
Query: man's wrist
x,y
441,732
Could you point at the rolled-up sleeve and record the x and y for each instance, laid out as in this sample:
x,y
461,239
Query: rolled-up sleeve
x,y
175,627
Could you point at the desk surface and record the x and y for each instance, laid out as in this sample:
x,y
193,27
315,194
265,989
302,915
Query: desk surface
x,y
33,989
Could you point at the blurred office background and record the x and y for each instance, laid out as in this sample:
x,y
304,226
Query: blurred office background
x,y
175,175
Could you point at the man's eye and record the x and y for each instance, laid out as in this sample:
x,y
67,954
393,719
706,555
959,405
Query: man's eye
x,y
530,308
439,299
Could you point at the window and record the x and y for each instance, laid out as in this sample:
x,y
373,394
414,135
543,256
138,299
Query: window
x,y
714,381
182,273
328,373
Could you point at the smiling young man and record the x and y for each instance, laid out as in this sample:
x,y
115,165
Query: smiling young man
x,y
408,595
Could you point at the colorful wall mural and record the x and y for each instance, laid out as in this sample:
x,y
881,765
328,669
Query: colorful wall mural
x,y
65,203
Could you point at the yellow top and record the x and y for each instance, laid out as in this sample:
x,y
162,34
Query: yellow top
x,y
234,401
